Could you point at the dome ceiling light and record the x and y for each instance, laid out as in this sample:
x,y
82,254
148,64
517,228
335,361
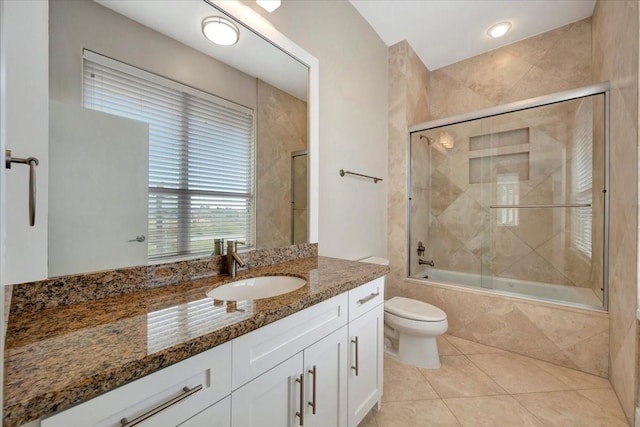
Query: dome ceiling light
x,y
220,30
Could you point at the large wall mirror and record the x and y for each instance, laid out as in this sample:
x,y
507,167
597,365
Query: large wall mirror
x,y
161,141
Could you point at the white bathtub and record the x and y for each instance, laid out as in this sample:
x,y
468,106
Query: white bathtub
x,y
516,287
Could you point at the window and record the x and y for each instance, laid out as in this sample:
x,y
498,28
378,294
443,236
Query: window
x,y
201,156
582,177
508,194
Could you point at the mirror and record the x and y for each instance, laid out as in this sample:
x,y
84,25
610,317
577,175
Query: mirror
x,y
132,183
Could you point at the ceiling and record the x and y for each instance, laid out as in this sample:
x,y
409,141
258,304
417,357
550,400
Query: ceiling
x,y
446,31
181,20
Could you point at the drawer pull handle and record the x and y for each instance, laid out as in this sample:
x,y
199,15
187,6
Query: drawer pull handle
x,y
368,298
301,413
186,393
313,390
355,368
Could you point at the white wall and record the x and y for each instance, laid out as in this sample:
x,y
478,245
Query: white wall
x,y
27,126
353,121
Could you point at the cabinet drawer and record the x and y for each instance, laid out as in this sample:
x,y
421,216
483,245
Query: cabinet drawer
x,y
264,348
218,415
365,297
191,386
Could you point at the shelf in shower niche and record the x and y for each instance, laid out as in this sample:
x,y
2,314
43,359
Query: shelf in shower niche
x,y
491,168
508,138
499,151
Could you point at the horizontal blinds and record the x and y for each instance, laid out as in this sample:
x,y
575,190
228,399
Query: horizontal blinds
x,y
201,156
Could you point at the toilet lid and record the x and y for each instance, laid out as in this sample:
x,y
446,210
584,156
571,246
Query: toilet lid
x,y
414,310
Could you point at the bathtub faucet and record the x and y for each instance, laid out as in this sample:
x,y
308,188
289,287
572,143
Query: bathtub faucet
x,y
427,262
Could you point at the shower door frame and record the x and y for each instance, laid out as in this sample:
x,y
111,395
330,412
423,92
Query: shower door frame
x,y
526,104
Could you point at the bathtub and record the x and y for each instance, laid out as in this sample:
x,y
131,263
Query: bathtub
x,y
513,287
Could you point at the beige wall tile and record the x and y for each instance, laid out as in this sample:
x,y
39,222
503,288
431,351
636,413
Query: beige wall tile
x,y
281,130
615,51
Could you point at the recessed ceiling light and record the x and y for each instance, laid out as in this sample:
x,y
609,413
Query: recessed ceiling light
x,y
220,30
499,30
269,5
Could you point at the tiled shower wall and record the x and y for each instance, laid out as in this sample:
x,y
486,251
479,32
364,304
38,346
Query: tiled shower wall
x,y
615,58
281,130
550,62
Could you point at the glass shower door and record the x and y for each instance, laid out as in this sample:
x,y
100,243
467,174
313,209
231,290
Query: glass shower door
x,y
514,202
543,169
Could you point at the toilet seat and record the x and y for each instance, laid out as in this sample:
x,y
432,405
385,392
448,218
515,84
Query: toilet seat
x,y
411,309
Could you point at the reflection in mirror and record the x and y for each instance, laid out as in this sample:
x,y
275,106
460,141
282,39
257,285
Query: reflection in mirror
x,y
161,141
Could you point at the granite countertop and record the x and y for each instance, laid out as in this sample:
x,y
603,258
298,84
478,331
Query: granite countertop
x,y
57,357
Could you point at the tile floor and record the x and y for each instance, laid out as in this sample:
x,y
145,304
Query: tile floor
x,y
479,385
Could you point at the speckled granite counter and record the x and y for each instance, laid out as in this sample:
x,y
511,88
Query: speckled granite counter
x,y
56,357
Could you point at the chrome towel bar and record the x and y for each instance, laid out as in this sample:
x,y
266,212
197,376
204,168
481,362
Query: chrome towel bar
x,y
32,162
374,178
569,205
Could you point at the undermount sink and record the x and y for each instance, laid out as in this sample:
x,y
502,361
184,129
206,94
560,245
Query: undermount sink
x,y
256,288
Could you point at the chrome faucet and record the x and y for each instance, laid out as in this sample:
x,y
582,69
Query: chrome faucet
x,y
427,262
233,258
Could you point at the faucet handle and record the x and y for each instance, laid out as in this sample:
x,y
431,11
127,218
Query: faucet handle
x,y
232,245
218,247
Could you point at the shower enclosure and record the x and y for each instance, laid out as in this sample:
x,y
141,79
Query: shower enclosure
x,y
299,210
513,198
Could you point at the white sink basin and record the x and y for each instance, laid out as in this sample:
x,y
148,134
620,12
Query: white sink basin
x,y
256,288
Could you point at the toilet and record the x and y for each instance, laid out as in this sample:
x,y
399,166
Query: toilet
x,y
411,328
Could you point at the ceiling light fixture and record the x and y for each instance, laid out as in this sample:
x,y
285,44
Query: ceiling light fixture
x,y
499,30
269,5
220,30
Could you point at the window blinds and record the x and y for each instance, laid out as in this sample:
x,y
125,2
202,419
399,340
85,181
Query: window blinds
x,y
201,156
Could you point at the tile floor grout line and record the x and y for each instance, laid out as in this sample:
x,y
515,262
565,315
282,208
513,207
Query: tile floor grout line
x,y
489,376
424,377
453,413
532,414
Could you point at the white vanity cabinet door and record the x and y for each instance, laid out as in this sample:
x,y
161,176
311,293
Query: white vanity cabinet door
x,y
218,415
207,375
262,349
365,354
270,400
327,362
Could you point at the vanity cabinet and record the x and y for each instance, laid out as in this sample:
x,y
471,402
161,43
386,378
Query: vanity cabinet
x,y
366,342
365,372
318,367
165,398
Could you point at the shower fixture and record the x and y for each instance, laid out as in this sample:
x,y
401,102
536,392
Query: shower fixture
x,y
429,140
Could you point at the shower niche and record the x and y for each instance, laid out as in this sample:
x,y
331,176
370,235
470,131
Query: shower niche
x,y
513,199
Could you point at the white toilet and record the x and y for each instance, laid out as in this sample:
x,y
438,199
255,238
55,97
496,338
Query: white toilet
x,y
410,330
